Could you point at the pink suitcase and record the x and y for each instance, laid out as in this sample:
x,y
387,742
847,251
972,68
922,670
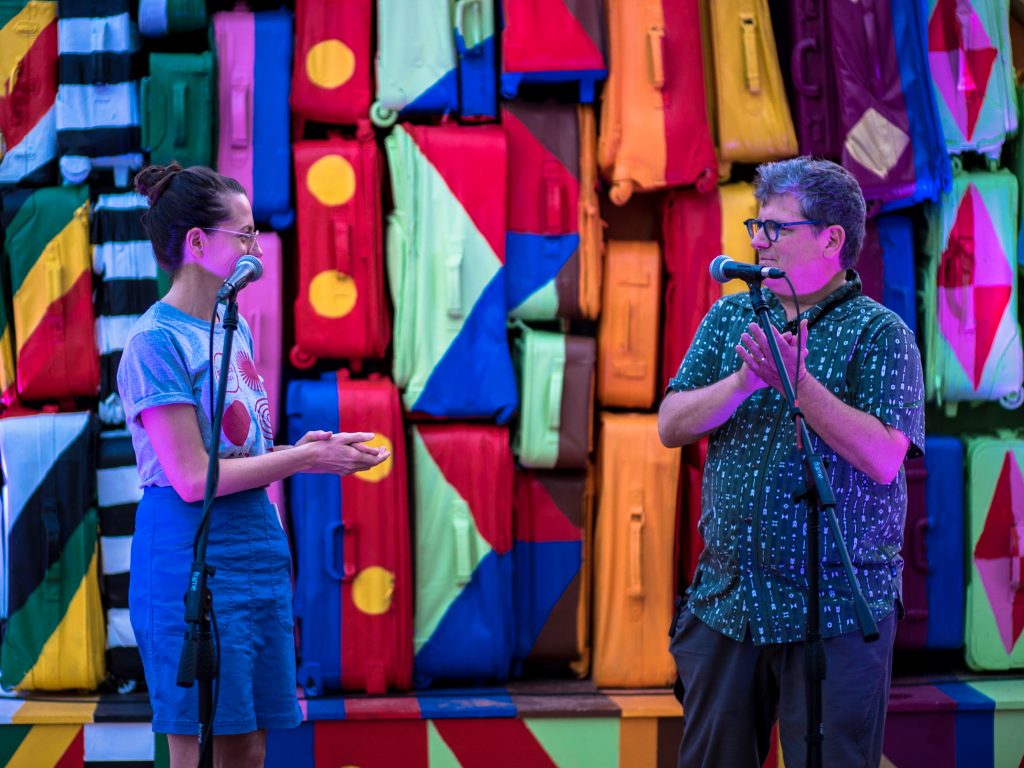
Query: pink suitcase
x,y
260,305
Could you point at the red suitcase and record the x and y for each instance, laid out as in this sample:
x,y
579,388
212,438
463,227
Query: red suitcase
x,y
353,595
690,543
331,77
691,228
340,310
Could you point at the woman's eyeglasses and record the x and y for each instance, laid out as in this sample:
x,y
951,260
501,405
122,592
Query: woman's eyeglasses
x,y
249,236
772,228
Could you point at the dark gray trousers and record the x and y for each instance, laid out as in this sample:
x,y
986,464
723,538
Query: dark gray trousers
x,y
733,692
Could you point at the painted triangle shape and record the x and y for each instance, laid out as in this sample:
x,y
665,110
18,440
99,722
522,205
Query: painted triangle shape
x,y
559,38
545,521
994,541
472,163
40,441
979,64
462,461
943,34
990,303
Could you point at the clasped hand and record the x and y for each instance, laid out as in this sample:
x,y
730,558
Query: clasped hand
x,y
342,453
758,369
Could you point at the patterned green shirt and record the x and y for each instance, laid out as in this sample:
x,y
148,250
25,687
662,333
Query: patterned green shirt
x,y
752,570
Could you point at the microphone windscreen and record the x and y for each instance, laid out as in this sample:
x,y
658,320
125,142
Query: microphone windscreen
x,y
717,269
254,263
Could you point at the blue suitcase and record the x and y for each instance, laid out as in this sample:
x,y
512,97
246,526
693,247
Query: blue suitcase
x,y
353,586
316,502
272,154
478,59
899,291
933,545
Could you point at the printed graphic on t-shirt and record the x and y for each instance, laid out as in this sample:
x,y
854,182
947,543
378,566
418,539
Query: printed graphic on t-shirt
x,y
245,382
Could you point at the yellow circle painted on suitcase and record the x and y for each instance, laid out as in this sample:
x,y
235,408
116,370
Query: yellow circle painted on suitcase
x,y
372,590
382,470
330,64
331,180
333,294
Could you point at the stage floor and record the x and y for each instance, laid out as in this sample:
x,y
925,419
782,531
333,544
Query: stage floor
x,y
963,721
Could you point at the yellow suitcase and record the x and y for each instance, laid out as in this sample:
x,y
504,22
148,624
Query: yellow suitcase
x,y
754,121
738,205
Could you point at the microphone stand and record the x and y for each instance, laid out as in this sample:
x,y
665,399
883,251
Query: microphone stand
x,y
820,498
199,660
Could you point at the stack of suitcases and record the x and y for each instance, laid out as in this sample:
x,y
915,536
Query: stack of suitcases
x,y
486,226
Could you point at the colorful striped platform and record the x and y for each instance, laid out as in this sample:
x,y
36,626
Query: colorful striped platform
x,y
946,723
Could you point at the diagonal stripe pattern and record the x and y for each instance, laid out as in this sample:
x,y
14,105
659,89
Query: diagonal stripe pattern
x,y
462,629
55,634
46,241
445,258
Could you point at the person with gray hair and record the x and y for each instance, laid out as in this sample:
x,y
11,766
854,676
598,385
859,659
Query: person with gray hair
x,y
738,636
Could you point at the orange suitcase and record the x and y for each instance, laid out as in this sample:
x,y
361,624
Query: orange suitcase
x,y
655,131
627,337
634,582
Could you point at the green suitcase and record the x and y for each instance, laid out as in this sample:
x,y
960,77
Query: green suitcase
x,y
556,382
178,108
994,618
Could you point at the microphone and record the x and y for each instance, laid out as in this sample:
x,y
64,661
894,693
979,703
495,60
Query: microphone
x,y
723,269
247,269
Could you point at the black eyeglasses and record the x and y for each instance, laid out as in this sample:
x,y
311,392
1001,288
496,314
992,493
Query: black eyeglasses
x,y
772,228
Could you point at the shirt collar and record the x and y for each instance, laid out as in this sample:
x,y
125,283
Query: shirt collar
x,y
831,303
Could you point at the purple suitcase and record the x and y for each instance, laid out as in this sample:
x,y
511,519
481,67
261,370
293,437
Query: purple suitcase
x,y
814,100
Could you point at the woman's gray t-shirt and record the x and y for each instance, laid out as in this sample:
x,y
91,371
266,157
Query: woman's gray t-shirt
x,y
166,361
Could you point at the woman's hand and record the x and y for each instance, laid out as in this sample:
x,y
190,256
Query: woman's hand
x,y
342,453
313,436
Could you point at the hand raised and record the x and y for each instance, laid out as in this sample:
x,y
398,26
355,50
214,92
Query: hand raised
x,y
756,354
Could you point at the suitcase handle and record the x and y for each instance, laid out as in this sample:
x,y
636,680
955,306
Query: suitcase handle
x,y
919,553
51,541
656,52
871,39
752,71
554,404
454,275
964,78
349,552
553,201
463,544
461,8
179,93
1016,554
797,62
54,321
342,245
635,587
331,551
240,102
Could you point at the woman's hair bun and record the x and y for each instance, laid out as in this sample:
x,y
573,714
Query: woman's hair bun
x,y
152,180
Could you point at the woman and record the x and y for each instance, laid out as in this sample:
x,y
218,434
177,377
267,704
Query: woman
x,y
200,223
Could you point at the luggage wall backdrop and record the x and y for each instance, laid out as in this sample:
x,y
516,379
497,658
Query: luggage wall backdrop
x,y
487,226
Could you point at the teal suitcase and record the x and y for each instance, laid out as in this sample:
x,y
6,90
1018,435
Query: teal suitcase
x,y
177,108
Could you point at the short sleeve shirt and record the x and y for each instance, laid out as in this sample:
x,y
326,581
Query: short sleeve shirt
x,y
752,572
166,361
